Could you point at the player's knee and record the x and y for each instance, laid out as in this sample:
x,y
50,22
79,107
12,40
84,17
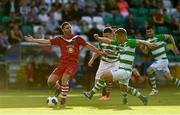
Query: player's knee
x,y
65,80
123,88
168,76
106,76
51,82
150,71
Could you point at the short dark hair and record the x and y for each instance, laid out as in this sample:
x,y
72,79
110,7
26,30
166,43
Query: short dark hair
x,y
121,31
149,27
114,27
107,30
64,24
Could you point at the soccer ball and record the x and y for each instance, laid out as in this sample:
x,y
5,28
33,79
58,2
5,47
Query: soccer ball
x,y
52,101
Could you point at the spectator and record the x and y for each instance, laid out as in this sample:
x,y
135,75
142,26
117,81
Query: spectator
x,y
176,19
24,9
4,44
103,13
92,31
43,5
75,12
51,25
12,6
130,25
57,13
166,18
66,13
56,5
34,6
75,27
90,7
158,18
147,3
100,5
84,27
32,17
81,4
43,16
123,8
15,35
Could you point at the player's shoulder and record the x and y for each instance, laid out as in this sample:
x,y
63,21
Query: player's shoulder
x,y
131,42
159,35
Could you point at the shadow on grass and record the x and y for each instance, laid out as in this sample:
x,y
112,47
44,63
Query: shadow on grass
x,y
166,97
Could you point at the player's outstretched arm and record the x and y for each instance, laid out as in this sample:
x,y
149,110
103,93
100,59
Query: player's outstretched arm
x,y
146,43
40,41
102,39
170,37
144,49
94,49
94,56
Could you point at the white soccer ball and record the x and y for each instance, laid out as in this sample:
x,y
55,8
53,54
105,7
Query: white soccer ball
x,y
52,101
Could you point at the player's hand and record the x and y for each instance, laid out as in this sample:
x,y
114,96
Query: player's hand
x,y
105,54
90,63
96,36
29,38
151,45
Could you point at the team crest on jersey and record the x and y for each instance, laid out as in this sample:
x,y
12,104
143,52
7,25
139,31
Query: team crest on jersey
x,y
70,48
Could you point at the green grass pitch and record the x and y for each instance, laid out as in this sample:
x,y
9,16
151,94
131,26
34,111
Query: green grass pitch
x,y
33,102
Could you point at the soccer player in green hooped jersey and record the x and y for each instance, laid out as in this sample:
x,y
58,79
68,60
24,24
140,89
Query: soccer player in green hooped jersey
x,y
124,71
107,63
160,58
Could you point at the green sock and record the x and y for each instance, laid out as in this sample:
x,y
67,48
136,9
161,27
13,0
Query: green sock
x,y
176,81
134,92
100,84
124,94
152,79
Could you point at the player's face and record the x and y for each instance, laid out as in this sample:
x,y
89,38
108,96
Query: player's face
x,y
149,33
120,37
67,30
108,35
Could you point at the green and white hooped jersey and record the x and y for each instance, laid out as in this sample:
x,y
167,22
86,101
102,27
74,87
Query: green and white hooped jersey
x,y
112,51
160,51
127,54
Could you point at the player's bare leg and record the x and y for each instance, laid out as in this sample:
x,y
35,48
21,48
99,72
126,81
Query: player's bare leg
x,y
52,80
58,88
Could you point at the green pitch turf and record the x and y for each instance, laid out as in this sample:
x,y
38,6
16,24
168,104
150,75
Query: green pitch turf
x,y
33,102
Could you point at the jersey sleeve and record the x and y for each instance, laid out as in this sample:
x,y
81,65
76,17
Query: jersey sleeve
x,y
55,41
160,37
114,42
132,42
81,41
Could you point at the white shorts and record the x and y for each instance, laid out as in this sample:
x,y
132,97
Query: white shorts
x,y
160,65
121,75
104,66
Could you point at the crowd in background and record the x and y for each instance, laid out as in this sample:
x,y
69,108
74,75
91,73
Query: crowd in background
x,y
41,18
